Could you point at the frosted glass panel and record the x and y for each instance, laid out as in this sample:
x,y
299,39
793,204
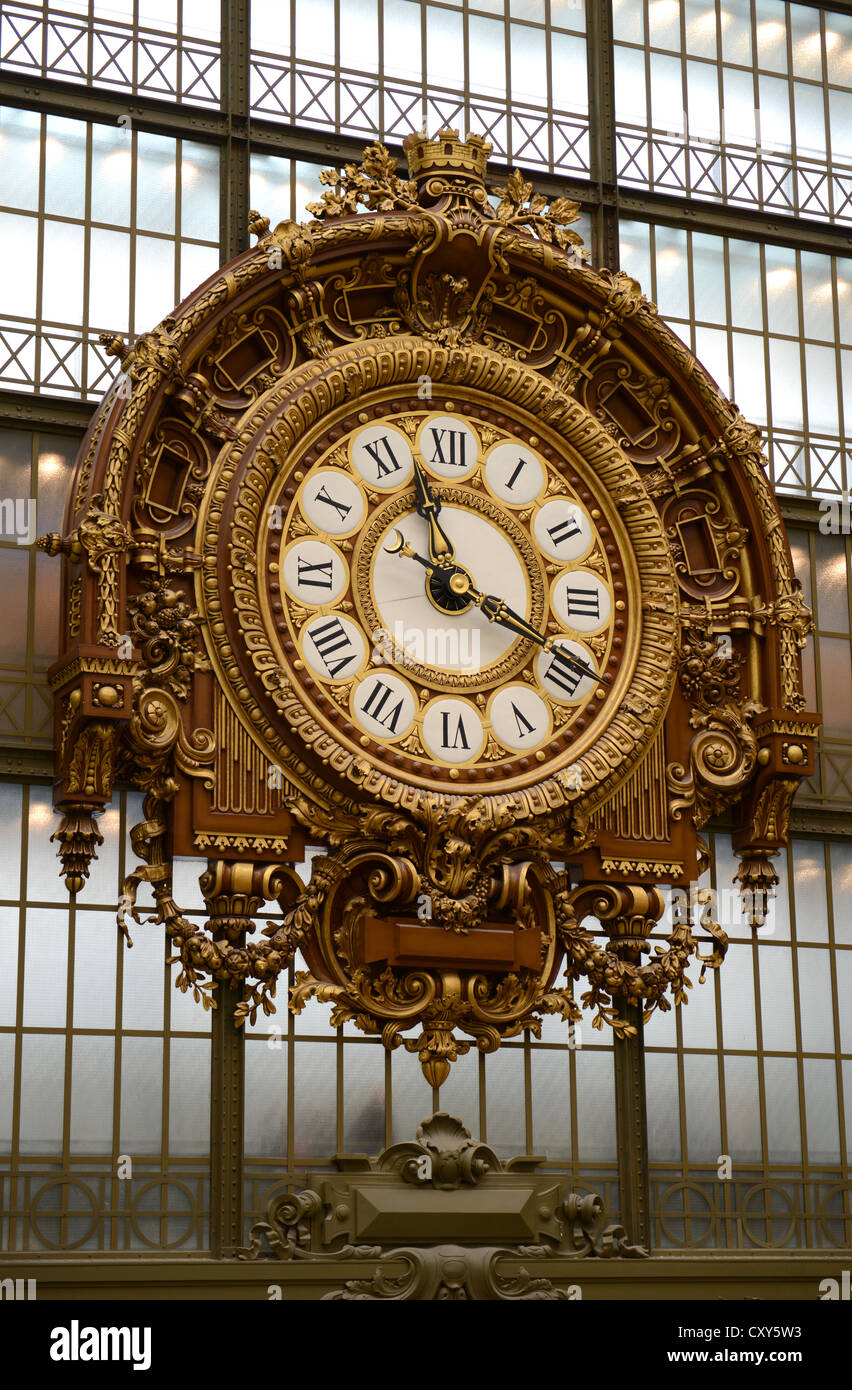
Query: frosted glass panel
x,y
10,839
504,1089
595,1106
783,1133
265,1099
95,948
199,178
815,1000
736,980
841,890
776,998
108,280
823,1126
45,969
141,1096
662,1098
412,1097
459,1094
364,1098
20,136
143,985
809,887
189,1096
833,590
112,165
42,1093
65,167
551,1103
742,1110
19,247
701,1086
315,1124
92,1085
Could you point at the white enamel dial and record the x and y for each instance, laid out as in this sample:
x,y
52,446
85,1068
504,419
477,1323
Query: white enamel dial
x,y
433,566
445,641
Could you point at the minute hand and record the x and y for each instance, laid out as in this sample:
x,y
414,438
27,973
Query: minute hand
x,y
428,506
497,610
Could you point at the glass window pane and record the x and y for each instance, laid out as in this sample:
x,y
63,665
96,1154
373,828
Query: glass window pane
x,y
189,1096
841,891
42,1093
504,1091
20,146
663,1102
776,998
459,1094
265,1099
19,247
141,1123
364,1098
95,951
701,1086
742,1110
199,198
783,1126
595,1106
551,1103
315,1115
815,1000
835,679
65,167
92,1099
156,174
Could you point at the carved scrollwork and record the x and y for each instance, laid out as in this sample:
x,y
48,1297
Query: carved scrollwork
x,y
723,751
322,1223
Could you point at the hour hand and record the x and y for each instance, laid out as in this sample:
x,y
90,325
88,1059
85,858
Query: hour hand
x,y
428,506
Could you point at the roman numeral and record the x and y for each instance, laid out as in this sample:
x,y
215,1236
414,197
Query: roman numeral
x,y
524,725
340,507
564,530
330,637
321,570
375,704
522,463
460,738
387,464
584,602
455,442
563,676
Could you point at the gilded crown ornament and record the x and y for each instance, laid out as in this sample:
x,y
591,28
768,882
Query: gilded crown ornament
x,y
418,540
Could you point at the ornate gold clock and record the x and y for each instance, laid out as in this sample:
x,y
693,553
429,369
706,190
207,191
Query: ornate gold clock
x,y
422,540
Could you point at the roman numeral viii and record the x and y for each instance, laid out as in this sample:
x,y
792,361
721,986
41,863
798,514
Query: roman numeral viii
x,y
330,639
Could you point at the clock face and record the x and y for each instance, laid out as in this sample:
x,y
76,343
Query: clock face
x,y
447,594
